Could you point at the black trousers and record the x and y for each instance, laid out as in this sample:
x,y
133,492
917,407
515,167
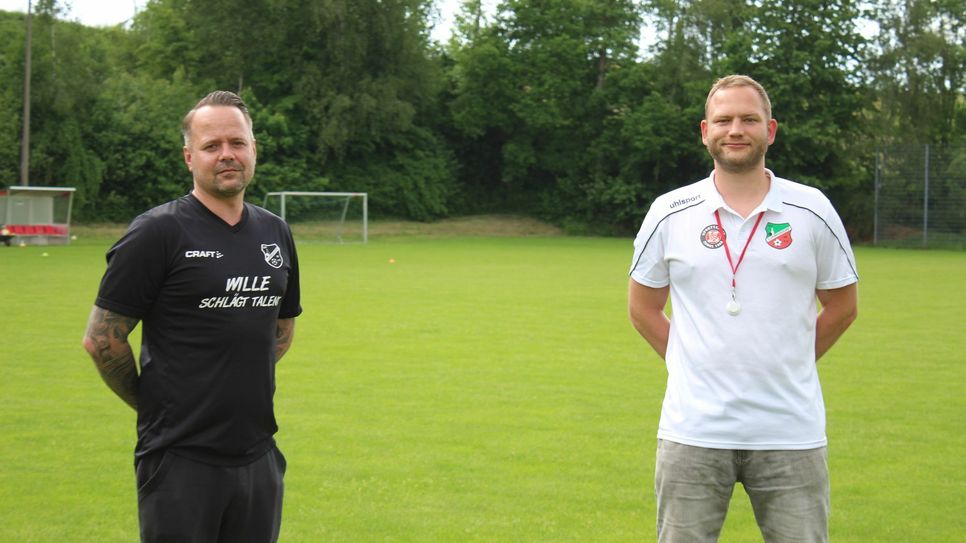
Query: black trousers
x,y
185,501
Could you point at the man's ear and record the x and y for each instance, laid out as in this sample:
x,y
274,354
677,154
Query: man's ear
x,y
187,156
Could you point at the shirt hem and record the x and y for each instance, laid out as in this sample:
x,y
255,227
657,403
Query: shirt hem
x,y
649,283
757,446
207,456
829,285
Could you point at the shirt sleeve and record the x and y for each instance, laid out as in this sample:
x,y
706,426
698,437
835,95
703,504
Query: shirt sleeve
x,y
649,266
835,260
136,270
291,303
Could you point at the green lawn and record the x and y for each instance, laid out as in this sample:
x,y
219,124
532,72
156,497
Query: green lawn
x,y
482,389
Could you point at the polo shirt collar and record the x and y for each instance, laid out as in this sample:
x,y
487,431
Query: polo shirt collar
x,y
772,201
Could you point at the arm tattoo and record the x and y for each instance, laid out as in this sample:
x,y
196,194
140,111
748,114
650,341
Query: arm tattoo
x,y
284,334
106,342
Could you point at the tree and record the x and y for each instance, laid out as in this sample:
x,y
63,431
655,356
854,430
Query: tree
x,y
11,95
919,71
529,89
545,107
135,129
68,66
344,89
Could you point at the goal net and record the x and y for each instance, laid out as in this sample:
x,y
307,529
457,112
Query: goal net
x,y
338,217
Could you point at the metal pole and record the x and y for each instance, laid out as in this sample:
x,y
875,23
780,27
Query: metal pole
x,y
25,140
925,199
70,207
875,214
345,211
365,217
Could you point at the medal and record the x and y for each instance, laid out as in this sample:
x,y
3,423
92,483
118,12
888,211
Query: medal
x,y
733,307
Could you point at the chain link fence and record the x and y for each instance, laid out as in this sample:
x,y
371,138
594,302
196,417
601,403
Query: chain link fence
x,y
920,196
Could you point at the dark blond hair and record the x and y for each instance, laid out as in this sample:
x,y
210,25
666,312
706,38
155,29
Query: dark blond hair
x,y
730,81
216,98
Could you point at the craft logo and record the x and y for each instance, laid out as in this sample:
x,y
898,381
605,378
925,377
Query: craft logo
x,y
712,237
778,235
203,254
273,255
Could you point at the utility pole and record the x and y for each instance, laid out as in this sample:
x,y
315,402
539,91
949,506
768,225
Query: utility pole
x,y
25,142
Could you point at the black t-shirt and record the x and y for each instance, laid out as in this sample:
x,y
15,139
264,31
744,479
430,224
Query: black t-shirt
x,y
209,297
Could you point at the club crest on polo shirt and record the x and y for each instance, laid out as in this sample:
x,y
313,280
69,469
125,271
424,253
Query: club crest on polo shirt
x,y
712,237
272,254
778,235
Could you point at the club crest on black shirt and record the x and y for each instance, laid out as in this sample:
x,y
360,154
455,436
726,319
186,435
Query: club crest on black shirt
x,y
273,255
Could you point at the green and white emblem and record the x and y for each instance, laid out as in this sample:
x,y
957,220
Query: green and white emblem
x,y
778,235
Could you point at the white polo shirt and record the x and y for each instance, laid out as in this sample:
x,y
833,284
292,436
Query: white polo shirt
x,y
747,381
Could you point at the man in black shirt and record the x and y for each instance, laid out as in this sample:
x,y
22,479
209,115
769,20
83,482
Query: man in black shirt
x,y
215,282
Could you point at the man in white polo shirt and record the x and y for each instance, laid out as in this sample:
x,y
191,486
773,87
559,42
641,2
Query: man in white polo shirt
x,y
743,254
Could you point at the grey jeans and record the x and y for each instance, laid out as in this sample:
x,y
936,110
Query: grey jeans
x,y
789,492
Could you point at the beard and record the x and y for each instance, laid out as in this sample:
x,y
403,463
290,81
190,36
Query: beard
x,y
738,162
231,187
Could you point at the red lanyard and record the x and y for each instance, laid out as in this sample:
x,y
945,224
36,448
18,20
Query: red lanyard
x,y
734,267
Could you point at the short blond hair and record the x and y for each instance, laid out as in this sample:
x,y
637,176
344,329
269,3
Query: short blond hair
x,y
730,81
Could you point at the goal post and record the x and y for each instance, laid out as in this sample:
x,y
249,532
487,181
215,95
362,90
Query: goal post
x,y
340,216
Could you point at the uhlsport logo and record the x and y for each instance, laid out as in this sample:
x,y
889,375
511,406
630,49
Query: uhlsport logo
x,y
273,255
712,237
778,235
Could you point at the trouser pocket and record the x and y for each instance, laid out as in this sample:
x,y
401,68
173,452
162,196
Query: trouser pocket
x,y
150,470
281,462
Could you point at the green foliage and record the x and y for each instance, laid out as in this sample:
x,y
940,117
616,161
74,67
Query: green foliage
x,y
11,95
556,91
803,60
529,92
137,133
918,71
344,103
281,142
416,180
544,107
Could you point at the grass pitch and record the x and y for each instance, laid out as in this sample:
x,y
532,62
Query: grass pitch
x,y
482,389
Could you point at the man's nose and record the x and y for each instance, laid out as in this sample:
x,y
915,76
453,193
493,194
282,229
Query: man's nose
x,y
736,127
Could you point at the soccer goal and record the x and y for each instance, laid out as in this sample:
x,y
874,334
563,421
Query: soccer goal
x,y
341,217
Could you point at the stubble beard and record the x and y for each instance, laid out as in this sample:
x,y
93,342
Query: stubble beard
x,y
749,160
233,187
